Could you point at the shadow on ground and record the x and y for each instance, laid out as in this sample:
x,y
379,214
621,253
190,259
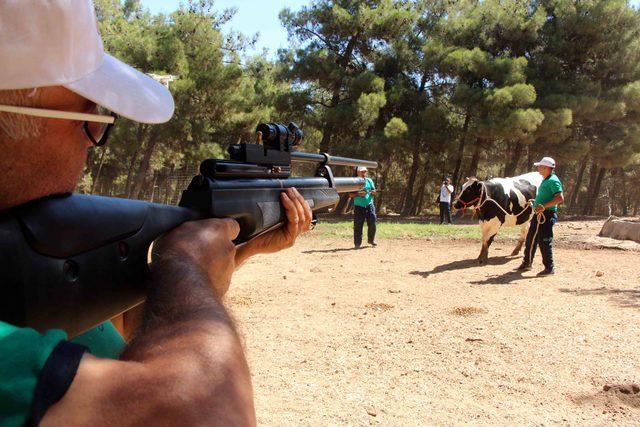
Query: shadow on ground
x,y
627,298
326,251
463,264
502,279
612,397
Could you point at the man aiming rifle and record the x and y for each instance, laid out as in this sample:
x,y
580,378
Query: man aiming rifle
x,y
185,365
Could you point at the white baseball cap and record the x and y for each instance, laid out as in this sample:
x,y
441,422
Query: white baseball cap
x,y
361,169
57,43
546,161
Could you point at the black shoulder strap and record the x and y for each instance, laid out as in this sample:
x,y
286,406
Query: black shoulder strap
x,y
55,378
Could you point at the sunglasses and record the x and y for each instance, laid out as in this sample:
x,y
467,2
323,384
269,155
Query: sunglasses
x,y
96,126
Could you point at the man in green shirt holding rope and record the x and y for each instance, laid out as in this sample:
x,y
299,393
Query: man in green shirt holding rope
x,y
549,196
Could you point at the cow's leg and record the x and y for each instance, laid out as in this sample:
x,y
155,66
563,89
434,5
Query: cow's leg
x,y
523,234
489,230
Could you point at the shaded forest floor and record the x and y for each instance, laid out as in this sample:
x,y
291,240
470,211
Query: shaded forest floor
x,y
414,332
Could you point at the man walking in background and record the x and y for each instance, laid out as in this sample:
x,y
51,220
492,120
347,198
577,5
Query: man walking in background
x,y
548,198
445,201
364,209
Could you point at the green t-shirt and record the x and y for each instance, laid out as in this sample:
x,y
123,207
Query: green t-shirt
x,y
24,352
364,201
550,186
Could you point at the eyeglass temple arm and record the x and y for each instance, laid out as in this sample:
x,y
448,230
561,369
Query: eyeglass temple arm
x,y
55,114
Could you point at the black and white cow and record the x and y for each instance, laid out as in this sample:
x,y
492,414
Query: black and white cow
x,y
493,198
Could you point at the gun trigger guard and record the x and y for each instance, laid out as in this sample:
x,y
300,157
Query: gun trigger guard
x,y
325,172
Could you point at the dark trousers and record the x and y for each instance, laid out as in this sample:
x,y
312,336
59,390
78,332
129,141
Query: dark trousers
x,y
361,214
445,212
544,239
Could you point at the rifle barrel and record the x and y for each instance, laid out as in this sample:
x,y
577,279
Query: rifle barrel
x,y
302,157
343,184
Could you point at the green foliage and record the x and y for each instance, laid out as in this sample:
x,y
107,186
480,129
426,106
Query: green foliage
x,y
396,129
425,87
631,95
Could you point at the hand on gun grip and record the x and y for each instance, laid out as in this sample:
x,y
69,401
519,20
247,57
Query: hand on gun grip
x,y
207,245
299,217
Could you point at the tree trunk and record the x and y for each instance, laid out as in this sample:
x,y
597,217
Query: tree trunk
x,y
383,185
578,184
594,191
422,187
460,153
601,174
561,171
140,138
327,132
153,187
94,185
103,188
585,198
325,143
508,158
475,159
166,183
625,195
512,162
409,201
145,163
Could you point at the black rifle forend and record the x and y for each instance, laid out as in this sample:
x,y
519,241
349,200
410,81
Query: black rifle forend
x,y
74,261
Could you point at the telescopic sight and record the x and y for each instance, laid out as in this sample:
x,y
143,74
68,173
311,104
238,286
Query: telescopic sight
x,y
279,136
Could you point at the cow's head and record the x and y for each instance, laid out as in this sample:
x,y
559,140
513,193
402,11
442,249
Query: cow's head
x,y
469,195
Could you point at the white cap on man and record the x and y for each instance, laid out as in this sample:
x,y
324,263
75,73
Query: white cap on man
x,y
546,161
361,169
57,43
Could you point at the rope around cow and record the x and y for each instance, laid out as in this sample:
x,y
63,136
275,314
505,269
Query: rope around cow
x,y
540,218
484,192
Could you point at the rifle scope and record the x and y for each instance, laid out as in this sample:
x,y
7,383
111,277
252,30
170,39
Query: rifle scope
x,y
279,136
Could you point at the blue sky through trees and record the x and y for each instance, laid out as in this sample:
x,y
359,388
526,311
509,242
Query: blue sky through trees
x,y
254,16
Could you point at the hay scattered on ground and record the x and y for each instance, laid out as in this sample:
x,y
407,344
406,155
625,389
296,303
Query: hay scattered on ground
x,y
380,306
468,311
240,300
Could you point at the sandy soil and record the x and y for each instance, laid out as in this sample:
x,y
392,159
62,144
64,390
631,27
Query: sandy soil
x,y
414,332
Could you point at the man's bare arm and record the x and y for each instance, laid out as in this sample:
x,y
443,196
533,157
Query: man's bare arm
x,y
299,217
186,365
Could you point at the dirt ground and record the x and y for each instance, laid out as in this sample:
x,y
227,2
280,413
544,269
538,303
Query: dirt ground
x,y
413,332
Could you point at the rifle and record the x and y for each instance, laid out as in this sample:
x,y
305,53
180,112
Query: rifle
x,y
73,261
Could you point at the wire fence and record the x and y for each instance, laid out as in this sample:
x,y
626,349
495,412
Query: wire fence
x,y
166,187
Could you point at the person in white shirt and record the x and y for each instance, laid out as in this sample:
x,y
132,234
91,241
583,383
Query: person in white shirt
x,y
445,201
